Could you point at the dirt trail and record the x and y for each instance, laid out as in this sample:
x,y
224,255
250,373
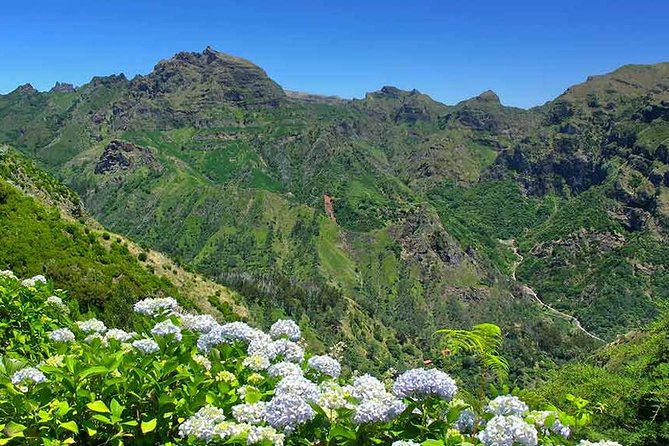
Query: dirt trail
x,y
530,292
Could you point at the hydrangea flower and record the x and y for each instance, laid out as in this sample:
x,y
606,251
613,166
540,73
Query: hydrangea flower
x,y
284,369
201,323
202,361
57,302
333,396
539,418
288,350
421,383
259,434
367,387
507,431
167,328
225,334
326,365
157,306
287,411
146,346
8,274
250,413
405,443
30,283
28,374
63,335
298,385
96,336
91,326
507,405
228,429
465,421
285,328
256,362
202,424
378,410
119,335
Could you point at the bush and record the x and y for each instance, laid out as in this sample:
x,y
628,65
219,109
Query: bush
x,y
182,379
142,257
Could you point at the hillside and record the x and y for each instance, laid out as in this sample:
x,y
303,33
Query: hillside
x,y
379,220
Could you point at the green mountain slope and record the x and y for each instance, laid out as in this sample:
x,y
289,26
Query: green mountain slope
x,y
382,219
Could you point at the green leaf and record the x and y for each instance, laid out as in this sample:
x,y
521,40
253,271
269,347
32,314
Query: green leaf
x,y
148,426
14,429
70,426
116,408
97,370
98,406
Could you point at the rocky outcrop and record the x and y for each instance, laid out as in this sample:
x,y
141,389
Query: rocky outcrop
x,y
62,88
122,156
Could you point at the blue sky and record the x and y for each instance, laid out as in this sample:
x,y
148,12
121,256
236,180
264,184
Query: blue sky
x,y
526,51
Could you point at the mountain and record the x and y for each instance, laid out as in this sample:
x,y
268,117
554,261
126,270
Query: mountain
x,y
379,220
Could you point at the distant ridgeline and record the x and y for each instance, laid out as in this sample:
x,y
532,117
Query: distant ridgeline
x,y
374,221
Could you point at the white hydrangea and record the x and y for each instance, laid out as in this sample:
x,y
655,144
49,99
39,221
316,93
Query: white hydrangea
x,y
250,413
260,434
227,333
8,274
58,303
288,350
285,328
507,431
298,385
256,362
157,306
284,369
379,409
228,429
91,326
146,346
367,387
201,323
202,424
421,383
63,335
119,335
30,283
507,405
326,365
167,328
28,374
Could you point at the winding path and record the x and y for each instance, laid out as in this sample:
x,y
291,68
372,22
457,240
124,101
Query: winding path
x,y
530,292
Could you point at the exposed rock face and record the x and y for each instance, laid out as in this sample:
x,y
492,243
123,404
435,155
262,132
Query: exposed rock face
x,y
62,88
121,155
25,89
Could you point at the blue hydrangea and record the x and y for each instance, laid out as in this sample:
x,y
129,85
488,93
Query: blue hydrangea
x,y
250,413
146,346
540,418
378,410
26,374
326,365
285,328
202,424
287,411
298,385
63,335
421,383
284,369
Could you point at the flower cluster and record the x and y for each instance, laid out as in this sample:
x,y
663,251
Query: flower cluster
x,y
250,413
146,346
167,328
507,431
57,302
507,405
285,328
33,281
119,335
202,425
63,335
287,411
375,403
325,365
157,306
541,417
8,274
92,326
421,383
284,369
28,374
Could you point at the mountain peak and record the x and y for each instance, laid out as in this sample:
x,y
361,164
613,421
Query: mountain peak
x,y
25,89
488,96
62,87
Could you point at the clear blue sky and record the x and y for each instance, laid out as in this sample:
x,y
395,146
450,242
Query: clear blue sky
x,y
527,51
